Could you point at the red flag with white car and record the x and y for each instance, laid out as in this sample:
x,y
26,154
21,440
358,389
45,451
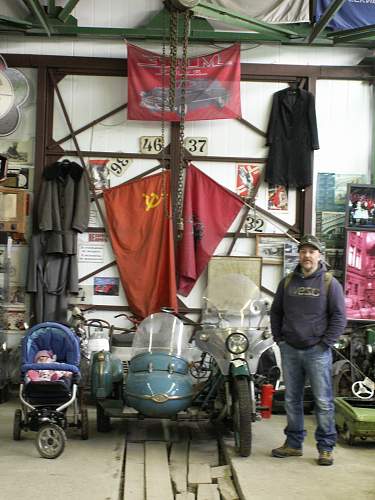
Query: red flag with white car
x,y
212,88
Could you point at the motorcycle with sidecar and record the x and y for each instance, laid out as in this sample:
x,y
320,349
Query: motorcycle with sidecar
x,y
223,385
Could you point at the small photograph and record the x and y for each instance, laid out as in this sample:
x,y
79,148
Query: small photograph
x,y
106,286
360,207
248,179
277,198
14,319
100,174
271,248
332,189
360,275
17,151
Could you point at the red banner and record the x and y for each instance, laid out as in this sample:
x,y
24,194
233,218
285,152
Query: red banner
x,y
212,86
142,240
209,210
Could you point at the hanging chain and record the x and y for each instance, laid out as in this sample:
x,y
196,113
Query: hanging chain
x,y
182,110
165,194
173,41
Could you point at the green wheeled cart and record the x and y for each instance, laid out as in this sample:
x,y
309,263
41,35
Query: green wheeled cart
x,y
355,418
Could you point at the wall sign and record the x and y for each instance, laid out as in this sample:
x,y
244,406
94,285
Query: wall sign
x,y
196,145
91,253
150,144
153,144
119,166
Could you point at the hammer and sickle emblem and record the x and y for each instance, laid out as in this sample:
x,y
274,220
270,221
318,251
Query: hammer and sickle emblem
x,y
152,200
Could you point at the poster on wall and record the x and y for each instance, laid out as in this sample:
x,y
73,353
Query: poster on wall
x,y
360,275
332,190
277,198
99,174
360,207
330,228
248,178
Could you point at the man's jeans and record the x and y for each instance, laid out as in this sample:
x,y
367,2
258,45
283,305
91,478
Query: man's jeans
x,y
315,363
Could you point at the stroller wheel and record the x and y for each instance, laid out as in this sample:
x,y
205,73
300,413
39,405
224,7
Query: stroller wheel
x,y
84,424
50,441
17,425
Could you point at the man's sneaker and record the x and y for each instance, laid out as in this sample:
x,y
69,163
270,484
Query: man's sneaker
x,y
286,451
325,458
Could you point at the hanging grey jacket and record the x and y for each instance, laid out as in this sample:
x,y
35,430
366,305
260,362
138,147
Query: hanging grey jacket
x,y
303,314
64,206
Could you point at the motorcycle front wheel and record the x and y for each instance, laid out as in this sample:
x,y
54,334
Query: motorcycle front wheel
x,y
242,418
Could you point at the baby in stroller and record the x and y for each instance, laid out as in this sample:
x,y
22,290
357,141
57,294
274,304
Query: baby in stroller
x,y
49,387
53,375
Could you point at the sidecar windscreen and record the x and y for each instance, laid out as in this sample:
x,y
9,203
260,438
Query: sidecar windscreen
x,y
233,295
160,332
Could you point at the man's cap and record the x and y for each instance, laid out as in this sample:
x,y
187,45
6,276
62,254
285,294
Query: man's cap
x,y
310,239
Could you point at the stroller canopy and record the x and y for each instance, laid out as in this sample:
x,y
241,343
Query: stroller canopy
x,y
51,337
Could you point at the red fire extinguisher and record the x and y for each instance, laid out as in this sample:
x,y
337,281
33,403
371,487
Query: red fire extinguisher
x,y
267,392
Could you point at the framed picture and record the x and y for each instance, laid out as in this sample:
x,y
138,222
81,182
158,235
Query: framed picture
x,y
360,207
249,266
360,275
106,286
271,247
219,267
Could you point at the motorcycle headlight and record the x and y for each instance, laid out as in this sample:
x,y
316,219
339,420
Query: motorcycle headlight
x,y
237,343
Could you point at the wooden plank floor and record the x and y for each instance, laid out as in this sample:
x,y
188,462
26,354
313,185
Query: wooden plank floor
x,y
178,461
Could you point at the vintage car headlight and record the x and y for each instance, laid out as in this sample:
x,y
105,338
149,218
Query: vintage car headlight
x,y
237,343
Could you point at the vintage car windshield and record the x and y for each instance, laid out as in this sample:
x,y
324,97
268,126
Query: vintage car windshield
x,y
234,298
160,332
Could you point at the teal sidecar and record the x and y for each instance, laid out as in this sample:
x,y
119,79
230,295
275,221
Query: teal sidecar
x,y
158,383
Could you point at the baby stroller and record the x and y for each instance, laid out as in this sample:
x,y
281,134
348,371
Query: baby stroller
x,y
45,403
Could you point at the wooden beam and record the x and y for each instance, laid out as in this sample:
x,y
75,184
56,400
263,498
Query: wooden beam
x,y
249,71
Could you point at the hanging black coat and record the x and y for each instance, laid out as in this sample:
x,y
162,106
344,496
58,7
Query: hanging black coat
x,y
292,135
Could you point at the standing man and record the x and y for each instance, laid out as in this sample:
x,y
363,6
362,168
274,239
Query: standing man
x,y
307,317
